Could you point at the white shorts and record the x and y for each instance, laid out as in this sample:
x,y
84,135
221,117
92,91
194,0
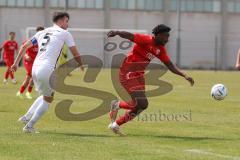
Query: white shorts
x,y
41,76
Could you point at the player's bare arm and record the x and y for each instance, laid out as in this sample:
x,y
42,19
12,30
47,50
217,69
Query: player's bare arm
x,y
238,60
76,56
122,34
174,69
22,50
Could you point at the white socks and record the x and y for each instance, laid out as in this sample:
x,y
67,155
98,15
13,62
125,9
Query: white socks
x,y
41,109
33,108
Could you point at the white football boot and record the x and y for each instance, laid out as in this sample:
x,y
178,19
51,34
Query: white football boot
x,y
5,81
20,95
14,81
28,129
115,128
28,95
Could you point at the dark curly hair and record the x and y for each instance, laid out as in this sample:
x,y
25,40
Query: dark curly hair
x,y
161,28
59,15
39,28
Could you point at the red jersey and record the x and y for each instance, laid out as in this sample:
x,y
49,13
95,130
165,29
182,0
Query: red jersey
x,y
9,49
141,55
32,52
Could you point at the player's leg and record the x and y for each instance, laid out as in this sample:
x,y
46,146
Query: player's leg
x,y
23,86
130,85
12,76
39,112
116,105
136,89
28,67
30,87
6,75
26,118
11,73
140,104
41,76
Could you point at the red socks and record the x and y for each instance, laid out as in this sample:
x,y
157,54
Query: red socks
x,y
128,116
30,89
11,74
22,89
6,75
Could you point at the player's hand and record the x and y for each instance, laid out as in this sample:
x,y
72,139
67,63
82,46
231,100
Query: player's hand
x,y
112,34
190,80
14,68
27,58
238,66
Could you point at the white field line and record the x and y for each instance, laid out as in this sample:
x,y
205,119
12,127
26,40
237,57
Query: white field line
x,y
197,151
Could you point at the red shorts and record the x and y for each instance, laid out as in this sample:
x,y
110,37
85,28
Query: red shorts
x,y
9,62
132,82
28,67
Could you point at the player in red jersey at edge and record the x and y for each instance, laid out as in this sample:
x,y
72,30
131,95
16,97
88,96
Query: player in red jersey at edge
x,y
131,73
28,60
9,48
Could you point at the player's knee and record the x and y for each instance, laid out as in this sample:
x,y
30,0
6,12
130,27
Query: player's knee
x,y
142,104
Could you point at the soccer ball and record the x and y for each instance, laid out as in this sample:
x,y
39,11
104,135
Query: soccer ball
x,y
219,92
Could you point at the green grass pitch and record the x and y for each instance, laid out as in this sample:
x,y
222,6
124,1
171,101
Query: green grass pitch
x,y
211,133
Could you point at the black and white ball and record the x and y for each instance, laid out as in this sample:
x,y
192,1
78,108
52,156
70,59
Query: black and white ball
x,y
219,92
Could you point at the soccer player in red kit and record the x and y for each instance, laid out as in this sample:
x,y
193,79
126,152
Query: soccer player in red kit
x,y
9,48
131,73
28,60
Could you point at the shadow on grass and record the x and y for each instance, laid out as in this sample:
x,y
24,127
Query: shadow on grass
x,y
78,134
183,138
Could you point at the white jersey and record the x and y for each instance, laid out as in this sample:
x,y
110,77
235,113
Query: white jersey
x,y
50,43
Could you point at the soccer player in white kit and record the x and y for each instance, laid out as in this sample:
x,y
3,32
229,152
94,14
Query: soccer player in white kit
x,y
50,42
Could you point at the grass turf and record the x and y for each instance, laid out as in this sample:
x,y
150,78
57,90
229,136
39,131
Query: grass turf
x,y
211,131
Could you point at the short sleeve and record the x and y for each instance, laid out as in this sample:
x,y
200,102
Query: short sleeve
x,y
142,38
163,56
4,44
69,40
